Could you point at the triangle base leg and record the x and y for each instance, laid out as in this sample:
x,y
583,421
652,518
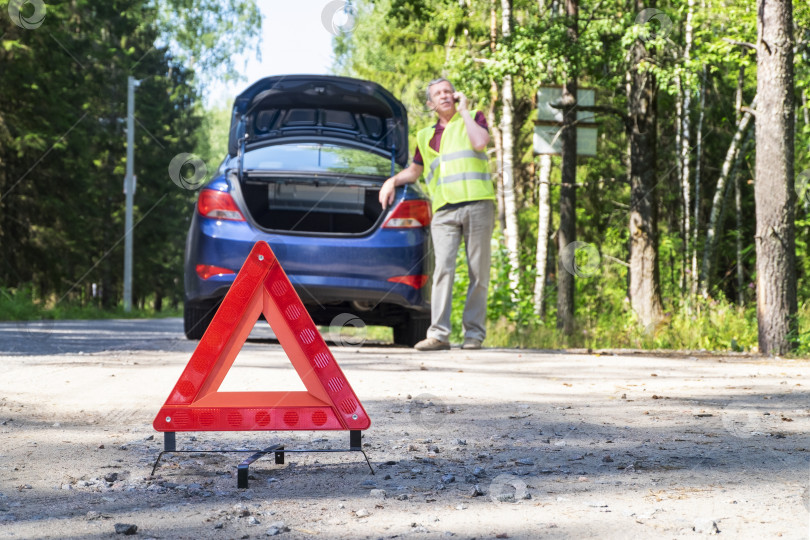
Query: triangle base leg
x,y
355,437
169,441
170,447
242,469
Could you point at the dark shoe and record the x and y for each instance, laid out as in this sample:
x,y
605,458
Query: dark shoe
x,y
432,344
471,343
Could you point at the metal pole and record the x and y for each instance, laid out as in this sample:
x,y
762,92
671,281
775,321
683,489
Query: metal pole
x,y
129,189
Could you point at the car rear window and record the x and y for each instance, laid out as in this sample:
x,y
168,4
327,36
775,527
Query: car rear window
x,y
317,158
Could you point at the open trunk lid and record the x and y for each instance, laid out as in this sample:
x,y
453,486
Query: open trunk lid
x,y
336,110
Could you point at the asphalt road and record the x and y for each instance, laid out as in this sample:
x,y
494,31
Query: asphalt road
x,y
493,443
48,337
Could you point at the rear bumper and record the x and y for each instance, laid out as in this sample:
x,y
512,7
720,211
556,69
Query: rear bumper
x,y
323,270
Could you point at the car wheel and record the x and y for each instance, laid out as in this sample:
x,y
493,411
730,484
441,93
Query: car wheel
x,y
411,331
197,317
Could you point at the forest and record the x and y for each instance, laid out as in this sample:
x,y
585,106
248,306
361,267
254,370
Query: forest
x,y
652,241
688,228
63,80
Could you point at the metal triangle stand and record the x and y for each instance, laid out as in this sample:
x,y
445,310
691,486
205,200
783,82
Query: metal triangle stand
x,y
278,451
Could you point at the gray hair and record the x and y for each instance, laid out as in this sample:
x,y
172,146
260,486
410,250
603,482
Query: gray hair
x,y
437,81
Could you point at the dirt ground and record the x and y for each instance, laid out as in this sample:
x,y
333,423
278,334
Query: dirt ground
x,y
492,443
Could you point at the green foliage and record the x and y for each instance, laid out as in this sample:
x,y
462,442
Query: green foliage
x,y
216,122
62,145
718,326
207,35
460,284
26,305
403,43
513,305
708,325
402,56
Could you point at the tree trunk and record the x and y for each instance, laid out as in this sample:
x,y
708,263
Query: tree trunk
x,y
679,103
717,202
544,213
645,288
568,209
686,142
738,99
698,159
737,194
739,240
491,120
686,139
678,128
498,143
508,169
773,187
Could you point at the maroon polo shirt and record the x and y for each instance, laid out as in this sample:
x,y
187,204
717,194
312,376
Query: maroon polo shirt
x,y
436,140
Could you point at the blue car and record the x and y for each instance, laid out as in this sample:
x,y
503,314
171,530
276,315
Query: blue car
x,y
307,155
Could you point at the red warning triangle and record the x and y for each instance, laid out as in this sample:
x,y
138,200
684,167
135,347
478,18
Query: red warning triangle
x,y
195,404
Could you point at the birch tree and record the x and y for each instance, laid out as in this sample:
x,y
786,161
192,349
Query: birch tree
x,y
698,168
494,128
508,165
685,139
543,222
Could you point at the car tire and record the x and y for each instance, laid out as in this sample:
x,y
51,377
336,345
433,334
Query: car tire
x,y
197,317
411,331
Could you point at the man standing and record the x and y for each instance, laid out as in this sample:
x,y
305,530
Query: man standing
x,y
463,203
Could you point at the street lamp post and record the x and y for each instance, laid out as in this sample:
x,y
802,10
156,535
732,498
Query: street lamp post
x,y
129,190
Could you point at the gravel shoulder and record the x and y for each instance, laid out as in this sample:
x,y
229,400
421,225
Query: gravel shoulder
x,y
465,444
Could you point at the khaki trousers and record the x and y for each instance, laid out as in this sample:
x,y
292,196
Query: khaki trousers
x,y
474,222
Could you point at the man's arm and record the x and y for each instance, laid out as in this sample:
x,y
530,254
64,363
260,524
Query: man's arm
x,y
479,136
408,175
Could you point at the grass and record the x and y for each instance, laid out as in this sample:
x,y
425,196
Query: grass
x,y
21,305
709,326
350,336
704,325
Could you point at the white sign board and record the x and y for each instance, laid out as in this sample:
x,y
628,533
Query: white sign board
x,y
547,140
551,95
549,119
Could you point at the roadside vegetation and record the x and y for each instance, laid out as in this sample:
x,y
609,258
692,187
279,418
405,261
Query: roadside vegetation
x,y
650,243
23,305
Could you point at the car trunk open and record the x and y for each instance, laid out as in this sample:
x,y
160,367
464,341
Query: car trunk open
x,y
313,205
341,110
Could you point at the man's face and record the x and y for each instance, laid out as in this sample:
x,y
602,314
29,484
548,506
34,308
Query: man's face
x,y
441,97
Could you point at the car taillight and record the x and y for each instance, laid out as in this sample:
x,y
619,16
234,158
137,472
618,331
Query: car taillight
x,y
205,271
416,281
408,214
218,205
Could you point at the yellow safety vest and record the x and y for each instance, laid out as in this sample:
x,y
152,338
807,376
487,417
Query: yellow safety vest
x,y
457,172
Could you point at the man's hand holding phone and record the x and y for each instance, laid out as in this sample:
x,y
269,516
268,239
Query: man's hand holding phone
x,y
461,99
